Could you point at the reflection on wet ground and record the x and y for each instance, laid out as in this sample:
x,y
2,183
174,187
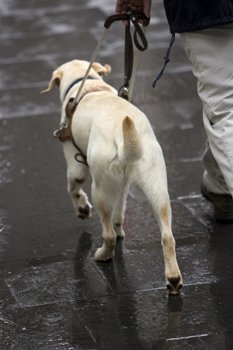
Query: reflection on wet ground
x,y
53,295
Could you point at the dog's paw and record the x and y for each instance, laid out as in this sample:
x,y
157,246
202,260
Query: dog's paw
x,y
81,205
102,255
174,285
84,212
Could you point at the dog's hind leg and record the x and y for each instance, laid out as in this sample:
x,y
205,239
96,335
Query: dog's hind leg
x,y
172,271
153,183
104,207
77,175
118,213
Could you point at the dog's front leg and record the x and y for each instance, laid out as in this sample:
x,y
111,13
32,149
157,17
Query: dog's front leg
x,y
103,207
77,175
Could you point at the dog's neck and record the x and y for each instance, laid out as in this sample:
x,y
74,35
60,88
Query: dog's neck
x,y
74,83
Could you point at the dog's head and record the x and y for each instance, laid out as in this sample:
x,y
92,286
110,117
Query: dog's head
x,y
71,71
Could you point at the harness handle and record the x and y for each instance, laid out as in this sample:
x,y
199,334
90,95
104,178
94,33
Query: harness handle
x,y
124,17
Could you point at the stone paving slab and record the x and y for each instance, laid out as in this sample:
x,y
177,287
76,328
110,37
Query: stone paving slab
x,y
50,327
142,320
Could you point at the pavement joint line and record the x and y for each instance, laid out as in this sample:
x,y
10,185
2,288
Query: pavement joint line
x,y
81,321
189,337
101,274
185,160
184,285
193,196
90,333
60,301
208,282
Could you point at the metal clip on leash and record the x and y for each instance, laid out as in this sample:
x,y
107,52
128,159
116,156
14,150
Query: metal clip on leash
x,y
129,15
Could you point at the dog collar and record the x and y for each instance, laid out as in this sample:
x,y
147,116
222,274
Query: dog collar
x,y
76,82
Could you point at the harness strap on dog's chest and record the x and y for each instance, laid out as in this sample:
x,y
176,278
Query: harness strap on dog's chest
x,y
65,133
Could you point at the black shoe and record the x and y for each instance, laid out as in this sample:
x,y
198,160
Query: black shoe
x,y
223,205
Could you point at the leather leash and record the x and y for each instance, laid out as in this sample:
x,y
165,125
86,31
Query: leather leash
x,y
141,46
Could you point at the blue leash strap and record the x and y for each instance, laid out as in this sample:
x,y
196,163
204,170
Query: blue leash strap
x,y
166,58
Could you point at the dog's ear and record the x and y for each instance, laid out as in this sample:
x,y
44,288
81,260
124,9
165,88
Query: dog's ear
x,y
55,80
101,70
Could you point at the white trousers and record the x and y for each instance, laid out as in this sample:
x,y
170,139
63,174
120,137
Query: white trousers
x,y
211,53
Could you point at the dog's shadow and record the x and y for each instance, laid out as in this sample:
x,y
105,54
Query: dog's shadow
x,y
112,271
119,317
124,324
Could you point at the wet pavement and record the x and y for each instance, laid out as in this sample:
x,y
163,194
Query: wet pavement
x,y
53,295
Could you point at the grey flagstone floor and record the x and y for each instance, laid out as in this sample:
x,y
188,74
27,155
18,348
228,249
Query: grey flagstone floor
x,y
53,295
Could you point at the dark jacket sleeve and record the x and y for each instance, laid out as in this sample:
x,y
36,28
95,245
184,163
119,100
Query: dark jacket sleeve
x,y
191,15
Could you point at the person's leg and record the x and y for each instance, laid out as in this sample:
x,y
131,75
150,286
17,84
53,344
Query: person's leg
x,y
210,52
212,178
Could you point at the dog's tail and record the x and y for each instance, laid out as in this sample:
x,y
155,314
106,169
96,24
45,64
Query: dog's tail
x,y
131,149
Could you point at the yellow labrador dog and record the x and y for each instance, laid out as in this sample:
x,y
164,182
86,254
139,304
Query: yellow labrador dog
x,y
121,149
